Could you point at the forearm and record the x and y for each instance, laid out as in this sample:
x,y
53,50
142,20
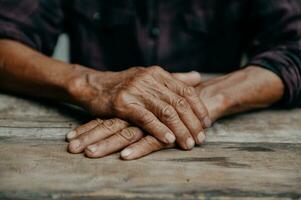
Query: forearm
x,y
246,89
25,71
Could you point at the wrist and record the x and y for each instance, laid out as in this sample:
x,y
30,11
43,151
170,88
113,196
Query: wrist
x,y
250,88
90,90
78,85
217,104
221,94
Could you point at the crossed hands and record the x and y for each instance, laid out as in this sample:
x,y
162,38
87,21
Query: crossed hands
x,y
149,110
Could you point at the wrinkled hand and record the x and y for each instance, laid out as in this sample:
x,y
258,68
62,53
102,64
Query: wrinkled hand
x,y
152,99
99,138
223,95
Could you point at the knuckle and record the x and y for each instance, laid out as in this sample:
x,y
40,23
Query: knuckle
x,y
98,121
137,69
181,104
168,112
147,120
109,125
140,80
189,91
112,124
128,134
155,69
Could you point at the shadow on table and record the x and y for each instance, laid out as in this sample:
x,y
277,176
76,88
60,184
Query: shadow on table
x,y
77,113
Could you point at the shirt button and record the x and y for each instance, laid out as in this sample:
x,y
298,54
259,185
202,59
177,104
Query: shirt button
x,y
155,32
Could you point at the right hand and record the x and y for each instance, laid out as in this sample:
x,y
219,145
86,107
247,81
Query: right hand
x,y
150,98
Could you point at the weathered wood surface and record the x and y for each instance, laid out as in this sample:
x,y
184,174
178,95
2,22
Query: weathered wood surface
x,y
253,156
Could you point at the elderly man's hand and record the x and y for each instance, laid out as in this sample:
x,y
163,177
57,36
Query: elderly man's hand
x,y
150,98
223,95
99,138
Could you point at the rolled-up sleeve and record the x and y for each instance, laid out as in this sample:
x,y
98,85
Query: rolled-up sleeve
x,y
274,28
36,23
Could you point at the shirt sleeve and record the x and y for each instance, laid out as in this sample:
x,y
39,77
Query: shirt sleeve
x,y
275,34
36,23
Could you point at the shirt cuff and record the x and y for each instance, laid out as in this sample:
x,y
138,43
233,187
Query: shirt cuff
x,y
287,66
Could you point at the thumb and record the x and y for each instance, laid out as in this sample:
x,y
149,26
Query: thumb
x,y
192,78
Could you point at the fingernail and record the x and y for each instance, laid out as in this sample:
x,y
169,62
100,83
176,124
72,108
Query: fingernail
x,y
126,152
92,148
71,134
190,143
207,122
201,137
75,144
170,138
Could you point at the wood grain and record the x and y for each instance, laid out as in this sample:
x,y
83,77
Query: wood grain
x,y
38,167
252,156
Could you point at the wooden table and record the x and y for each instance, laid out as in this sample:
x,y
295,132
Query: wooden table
x,y
255,155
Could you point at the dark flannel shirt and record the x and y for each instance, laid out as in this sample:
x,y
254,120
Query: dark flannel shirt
x,y
179,35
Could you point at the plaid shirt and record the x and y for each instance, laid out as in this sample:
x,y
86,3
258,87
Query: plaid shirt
x,y
179,35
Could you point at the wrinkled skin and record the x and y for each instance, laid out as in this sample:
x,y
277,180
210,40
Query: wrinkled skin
x,y
222,96
150,98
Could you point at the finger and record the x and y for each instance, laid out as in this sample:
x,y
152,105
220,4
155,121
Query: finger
x,y
143,147
82,129
184,112
198,106
100,132
188,93
168,115
192,78
150,123
114,143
